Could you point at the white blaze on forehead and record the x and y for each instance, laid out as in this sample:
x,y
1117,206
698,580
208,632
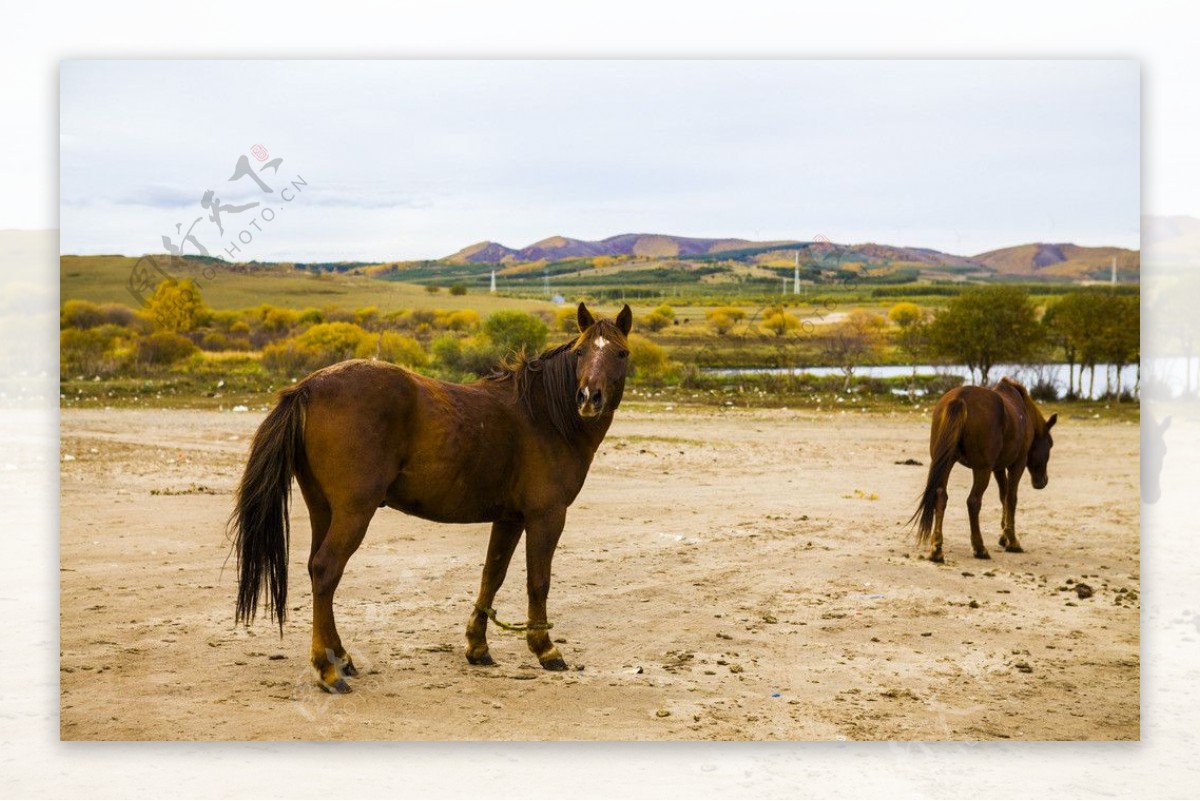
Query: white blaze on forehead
x,y
600,343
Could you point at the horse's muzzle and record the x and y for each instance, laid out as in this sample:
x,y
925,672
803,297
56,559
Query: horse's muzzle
x,y
589,402
1040,482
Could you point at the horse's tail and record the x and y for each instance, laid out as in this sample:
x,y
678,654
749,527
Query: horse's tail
x,y
260,516
944,453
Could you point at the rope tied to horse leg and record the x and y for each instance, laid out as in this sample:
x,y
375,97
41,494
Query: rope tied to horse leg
x,y
513,627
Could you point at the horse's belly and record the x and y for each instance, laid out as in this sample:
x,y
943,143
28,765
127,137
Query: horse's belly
x,y
443,507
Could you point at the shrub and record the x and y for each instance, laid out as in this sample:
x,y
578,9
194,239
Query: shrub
x,y
477,355
660,318
176,306
779,322
279,321
164,347
1044,391
85,314
367,316
515,331
566,320
103,350
288,357
461,320
219,341
432,289
320,346
648,362
418,317
334,342
311,316
392,347
447,351
458,289
724,318
905,314
80,314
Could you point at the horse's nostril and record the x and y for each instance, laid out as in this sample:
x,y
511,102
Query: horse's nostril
x,y
581,397
598,399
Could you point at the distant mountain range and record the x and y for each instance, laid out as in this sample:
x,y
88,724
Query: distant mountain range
x,y
1038,259
562,247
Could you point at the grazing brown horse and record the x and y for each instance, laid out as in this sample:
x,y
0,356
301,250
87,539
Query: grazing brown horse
x,y
994,431
512,450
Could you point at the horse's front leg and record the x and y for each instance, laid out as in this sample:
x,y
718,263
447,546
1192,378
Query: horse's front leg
x,y
503,542
1010,506
1001,475
542,533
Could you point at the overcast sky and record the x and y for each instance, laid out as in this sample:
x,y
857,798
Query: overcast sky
x,y
416,159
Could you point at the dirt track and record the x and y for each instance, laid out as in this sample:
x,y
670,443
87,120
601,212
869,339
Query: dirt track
x,y
725,575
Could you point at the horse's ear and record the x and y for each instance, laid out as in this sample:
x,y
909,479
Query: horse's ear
x,y
586,320
625,320
1050,423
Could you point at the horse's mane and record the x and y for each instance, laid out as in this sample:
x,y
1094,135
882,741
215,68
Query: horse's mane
x,y
557,371
1027,399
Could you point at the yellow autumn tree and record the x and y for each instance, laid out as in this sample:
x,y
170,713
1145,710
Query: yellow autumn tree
x,y
176,306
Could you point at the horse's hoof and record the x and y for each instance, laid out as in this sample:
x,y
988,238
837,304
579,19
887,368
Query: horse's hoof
x,y
937,557
349,669
557,663
339,687
982,555
484,659
1014,549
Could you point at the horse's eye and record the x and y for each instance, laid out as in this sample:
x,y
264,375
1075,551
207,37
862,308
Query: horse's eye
x,y
621,354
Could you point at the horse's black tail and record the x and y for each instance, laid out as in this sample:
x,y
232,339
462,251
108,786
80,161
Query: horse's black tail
x,y
260,516
944,453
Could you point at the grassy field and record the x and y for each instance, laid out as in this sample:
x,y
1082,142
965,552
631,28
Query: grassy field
x,y
104,279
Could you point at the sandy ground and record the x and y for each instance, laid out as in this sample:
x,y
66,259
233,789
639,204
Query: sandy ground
x,y
725,575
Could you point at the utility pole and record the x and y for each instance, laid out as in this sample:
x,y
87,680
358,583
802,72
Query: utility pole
x,y
1113,280
493,281
796,277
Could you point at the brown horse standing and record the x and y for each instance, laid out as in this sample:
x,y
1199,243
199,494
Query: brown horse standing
x,y
997,431
512,450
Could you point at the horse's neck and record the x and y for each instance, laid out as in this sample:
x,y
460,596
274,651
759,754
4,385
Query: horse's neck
x,y
1032,414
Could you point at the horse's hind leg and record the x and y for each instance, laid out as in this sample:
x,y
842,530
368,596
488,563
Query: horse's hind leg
x,y
346,531
983,477
1002,486
542,533
939,511
505,535
320,516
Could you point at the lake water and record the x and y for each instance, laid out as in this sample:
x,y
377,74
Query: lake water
x,y
1056,373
